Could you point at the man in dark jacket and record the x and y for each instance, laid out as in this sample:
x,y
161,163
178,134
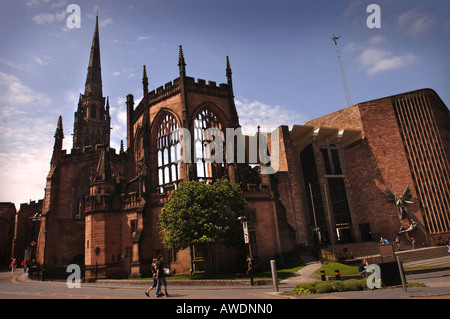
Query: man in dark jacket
x,y
161,277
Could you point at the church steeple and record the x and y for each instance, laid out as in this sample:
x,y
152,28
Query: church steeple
x,y
93,86
92,118
234,121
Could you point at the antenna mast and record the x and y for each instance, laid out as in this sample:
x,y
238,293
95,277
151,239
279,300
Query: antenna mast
x,y
347,92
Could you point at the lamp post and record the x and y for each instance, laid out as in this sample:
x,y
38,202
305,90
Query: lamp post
x,y
243,220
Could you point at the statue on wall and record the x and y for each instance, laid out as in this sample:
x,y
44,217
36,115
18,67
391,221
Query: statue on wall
x,y
401,208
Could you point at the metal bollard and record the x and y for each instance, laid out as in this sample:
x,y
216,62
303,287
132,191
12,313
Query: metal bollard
x,y
274,275
337,274
322,275
402,272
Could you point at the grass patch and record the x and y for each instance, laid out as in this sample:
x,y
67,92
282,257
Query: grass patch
x,y
284,273
330,266
426,267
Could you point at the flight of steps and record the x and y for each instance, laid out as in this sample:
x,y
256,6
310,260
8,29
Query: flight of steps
x,y
354,251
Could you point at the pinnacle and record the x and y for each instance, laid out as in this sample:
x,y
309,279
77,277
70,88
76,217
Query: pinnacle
x,y
181,62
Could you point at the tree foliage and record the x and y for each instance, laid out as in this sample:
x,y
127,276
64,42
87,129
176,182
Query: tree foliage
x,y
201,214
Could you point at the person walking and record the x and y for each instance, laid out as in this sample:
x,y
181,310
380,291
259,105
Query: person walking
x,y
397,243
13,265
25,265
161,277
155,282
413,243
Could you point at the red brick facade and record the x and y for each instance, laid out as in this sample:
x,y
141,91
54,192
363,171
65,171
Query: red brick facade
x,y
405,142
26,230
7,222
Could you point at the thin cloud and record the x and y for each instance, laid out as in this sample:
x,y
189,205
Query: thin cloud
x,y
105,22
416,22
143,37
375,60
44,60
15,95
26,140
255,113
35,3
47,18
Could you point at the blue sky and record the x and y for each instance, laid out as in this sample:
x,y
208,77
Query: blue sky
x,y
285,68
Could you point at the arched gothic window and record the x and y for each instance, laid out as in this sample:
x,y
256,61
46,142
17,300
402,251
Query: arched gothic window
x,y
169,148
207,168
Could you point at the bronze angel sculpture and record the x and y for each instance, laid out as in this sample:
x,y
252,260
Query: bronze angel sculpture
x,y
401,208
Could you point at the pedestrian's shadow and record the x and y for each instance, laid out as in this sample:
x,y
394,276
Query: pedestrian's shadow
x,y
171,296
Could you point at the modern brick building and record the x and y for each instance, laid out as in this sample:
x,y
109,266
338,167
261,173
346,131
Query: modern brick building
x,y
404,141
101,206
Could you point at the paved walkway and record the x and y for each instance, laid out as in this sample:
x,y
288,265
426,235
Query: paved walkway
x,y
304,275
12,286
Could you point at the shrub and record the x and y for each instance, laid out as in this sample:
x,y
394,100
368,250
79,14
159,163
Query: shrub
x,y
355,284
324,287
338,286
330,286
301,291
311,287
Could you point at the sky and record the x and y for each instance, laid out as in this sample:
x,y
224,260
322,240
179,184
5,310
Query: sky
x,y
284,63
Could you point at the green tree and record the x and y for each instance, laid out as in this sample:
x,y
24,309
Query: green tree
x,y
203,215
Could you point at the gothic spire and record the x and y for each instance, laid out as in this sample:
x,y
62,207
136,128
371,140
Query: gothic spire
x,y
59,129
181,62
145,82
93,84
121,147
57,147
234,115
107,108
228,69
